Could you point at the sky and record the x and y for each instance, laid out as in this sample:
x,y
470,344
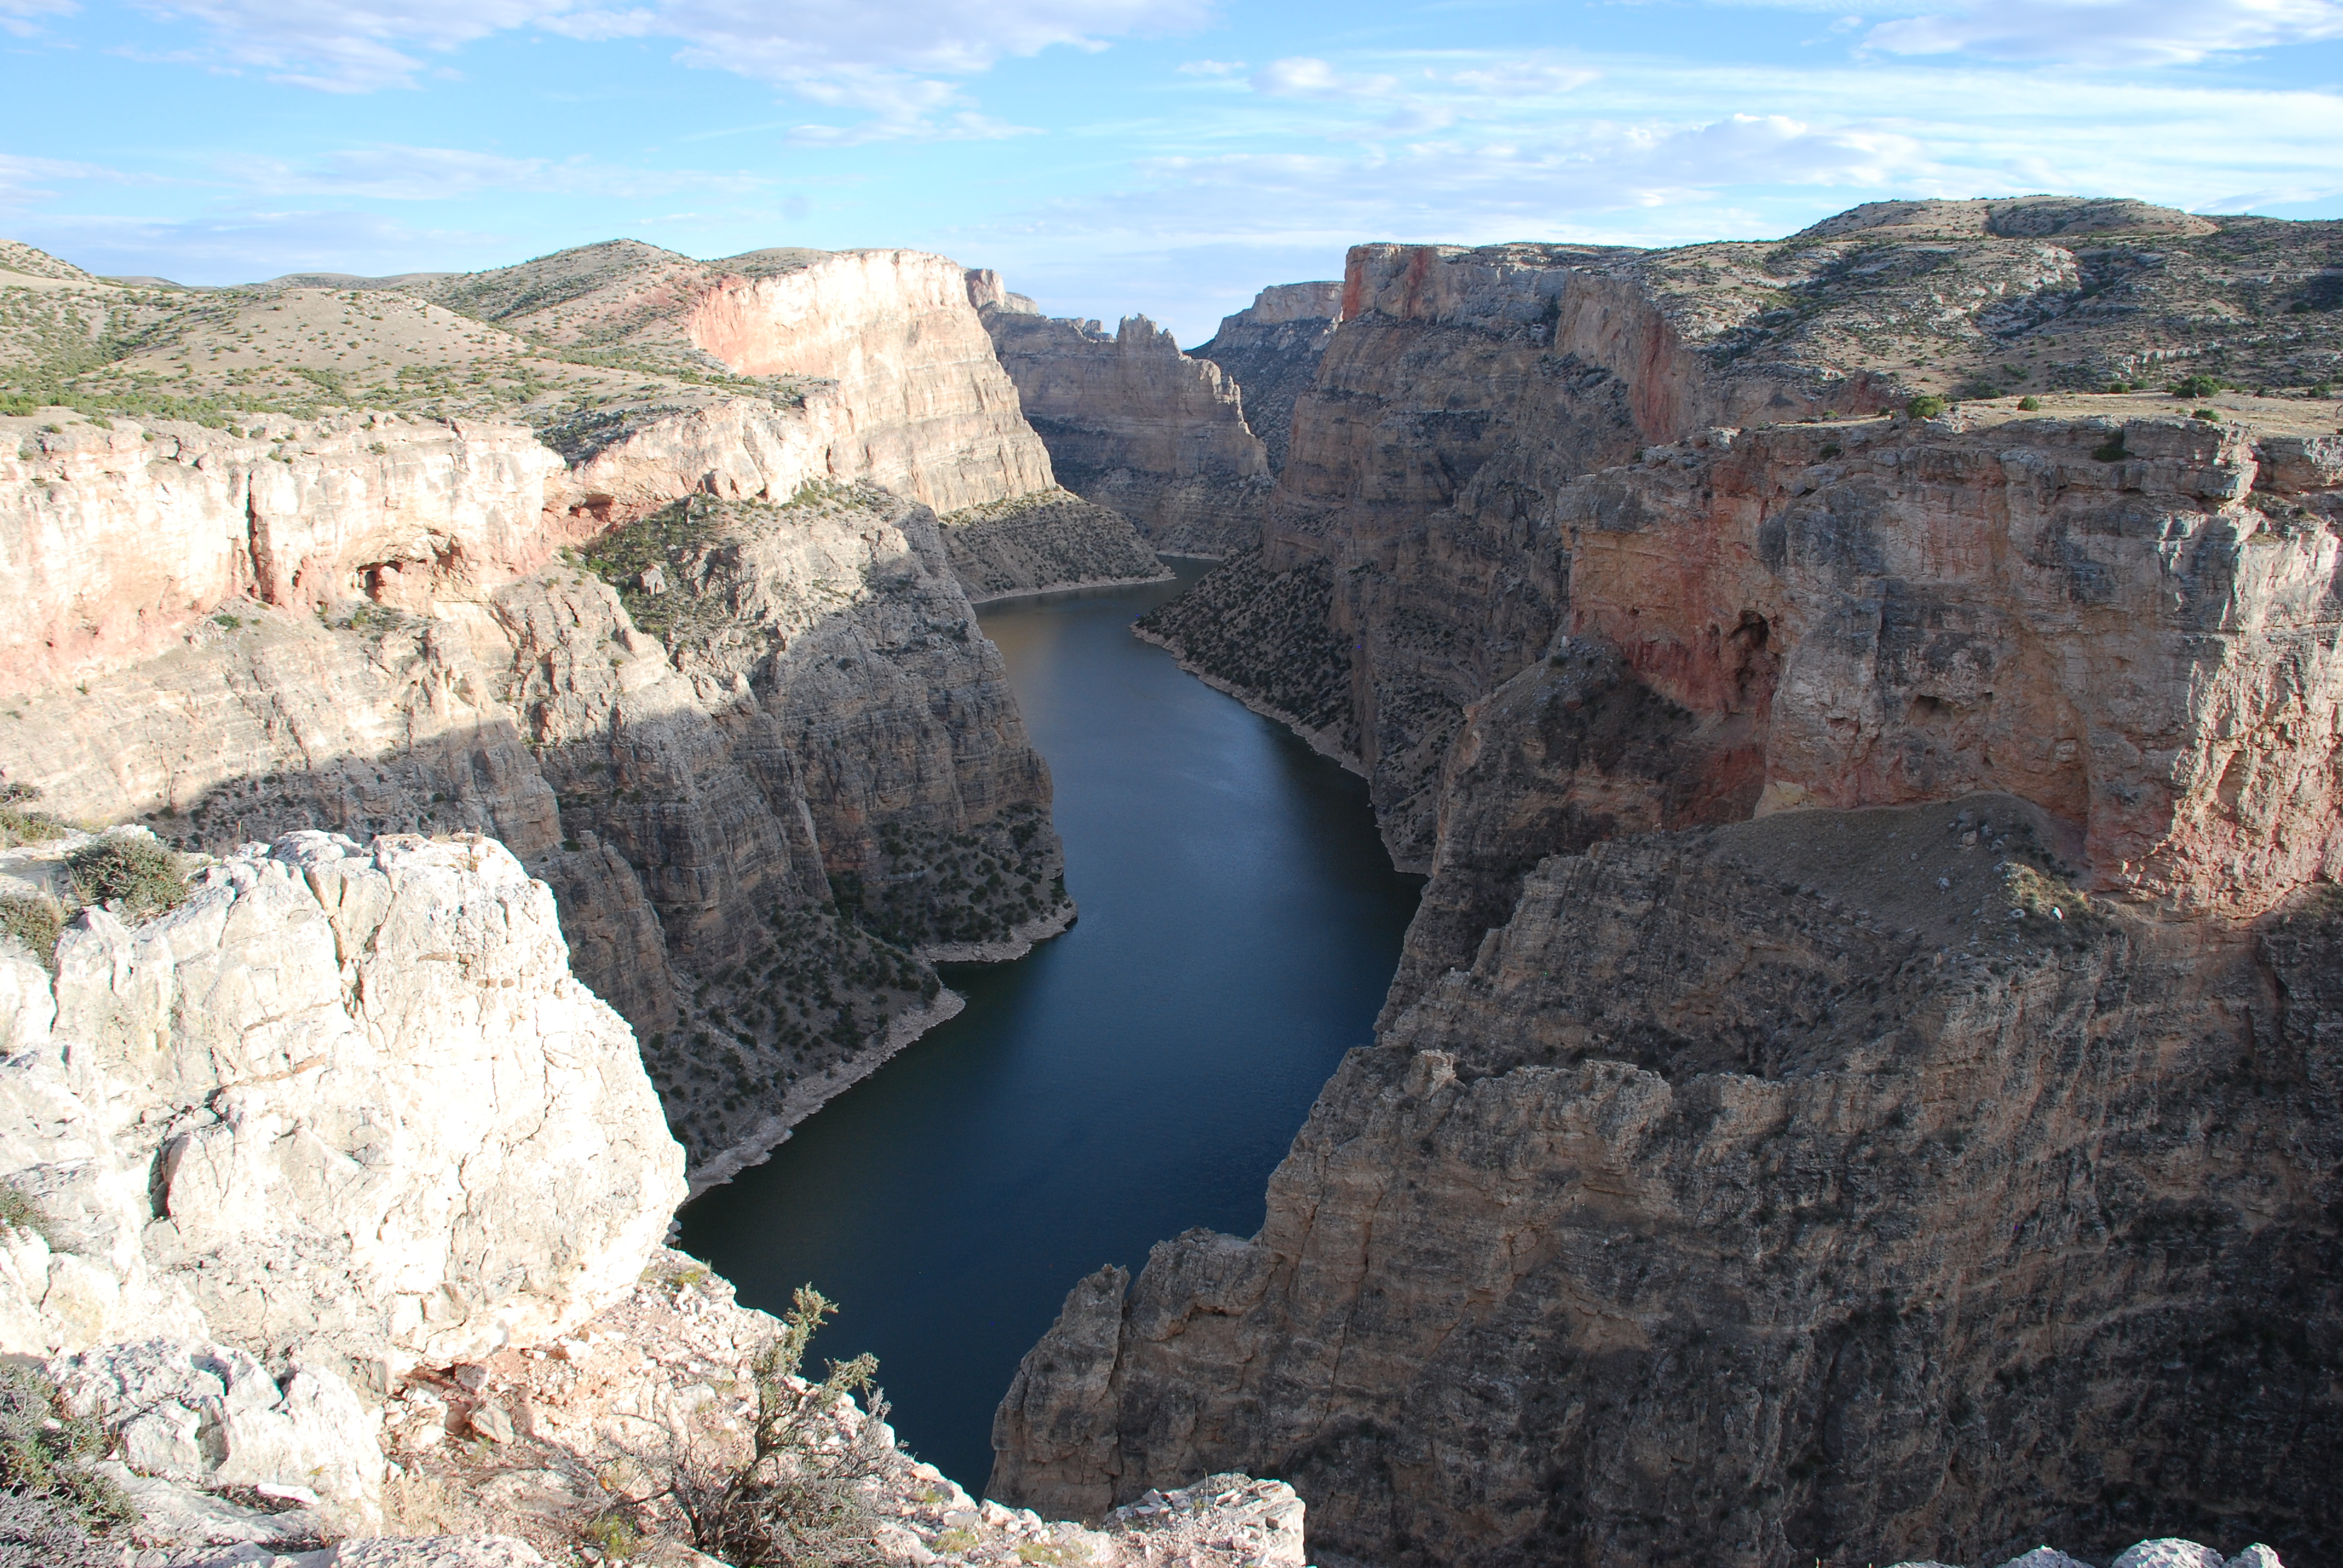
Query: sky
x,y
1115,156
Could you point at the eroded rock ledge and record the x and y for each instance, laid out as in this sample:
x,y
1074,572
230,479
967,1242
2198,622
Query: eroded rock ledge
x,y
764,755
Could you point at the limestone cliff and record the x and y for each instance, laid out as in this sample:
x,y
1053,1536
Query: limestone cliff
x,y
1933,1160
116,539
1133,424
890,381
649,374
343,1103
765,770
900,387
1466,388
769,788
1271,350
1839,1185
308,1176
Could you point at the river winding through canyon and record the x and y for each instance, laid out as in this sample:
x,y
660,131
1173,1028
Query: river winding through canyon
x,y
1137,1076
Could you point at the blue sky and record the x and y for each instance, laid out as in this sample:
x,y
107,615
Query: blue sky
x,y
1169,157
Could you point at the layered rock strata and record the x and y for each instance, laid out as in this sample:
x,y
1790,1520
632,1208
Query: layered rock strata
x,y
1873,1178
1062,540
1271,350
886,377
1841,1185
768,769
2126,624
1133,424
116,539
649,374
1466,388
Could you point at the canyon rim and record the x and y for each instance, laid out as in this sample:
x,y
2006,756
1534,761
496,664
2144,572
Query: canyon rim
x,y
1861,1086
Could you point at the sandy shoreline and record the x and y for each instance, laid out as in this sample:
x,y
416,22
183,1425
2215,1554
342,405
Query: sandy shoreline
x,y
1164,576
1318,741
810,1095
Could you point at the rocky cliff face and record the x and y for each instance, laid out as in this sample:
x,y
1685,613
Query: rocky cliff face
x,y
342,1113
1465,389
1271,350
344,1104
649,374
766,770
1133,424
764,755
114,541
305,1176
1839,1185
1878,1177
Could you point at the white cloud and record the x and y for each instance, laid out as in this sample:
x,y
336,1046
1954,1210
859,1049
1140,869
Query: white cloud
x,y
897,62
1524,79
24,179
1210,68
2111,32
245,247
1614,162
22,17
1303,76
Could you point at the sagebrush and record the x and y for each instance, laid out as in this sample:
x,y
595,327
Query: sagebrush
x,y
138,876
54,1511
805,1497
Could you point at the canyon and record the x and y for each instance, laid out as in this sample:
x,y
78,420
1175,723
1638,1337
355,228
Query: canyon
x,y
1865,1018
1133,424
695,641
1860,1084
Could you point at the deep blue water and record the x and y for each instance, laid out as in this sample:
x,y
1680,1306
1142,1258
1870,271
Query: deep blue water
x,y
1137,1076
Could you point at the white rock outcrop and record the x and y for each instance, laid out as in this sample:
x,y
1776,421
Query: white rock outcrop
x,y
207,1415
345,1109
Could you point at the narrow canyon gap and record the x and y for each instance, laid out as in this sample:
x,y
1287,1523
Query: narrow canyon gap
x,y
1140,1075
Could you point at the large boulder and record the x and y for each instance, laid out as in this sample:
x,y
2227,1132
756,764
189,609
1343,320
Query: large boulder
x,y
345,1106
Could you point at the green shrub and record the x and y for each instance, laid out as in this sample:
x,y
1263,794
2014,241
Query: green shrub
x,y
19,825
799,1502
1925,407
137,875
33,920
2029,404
53,1514
2196,386
2111,451
613,1533
2213,413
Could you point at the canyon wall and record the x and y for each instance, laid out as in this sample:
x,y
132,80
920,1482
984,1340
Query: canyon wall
x,y
894,382
757,749
1838,1186
1466,388
1860,1082
745,724
916,403
1271,350
1133,424
343,1103
113,541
